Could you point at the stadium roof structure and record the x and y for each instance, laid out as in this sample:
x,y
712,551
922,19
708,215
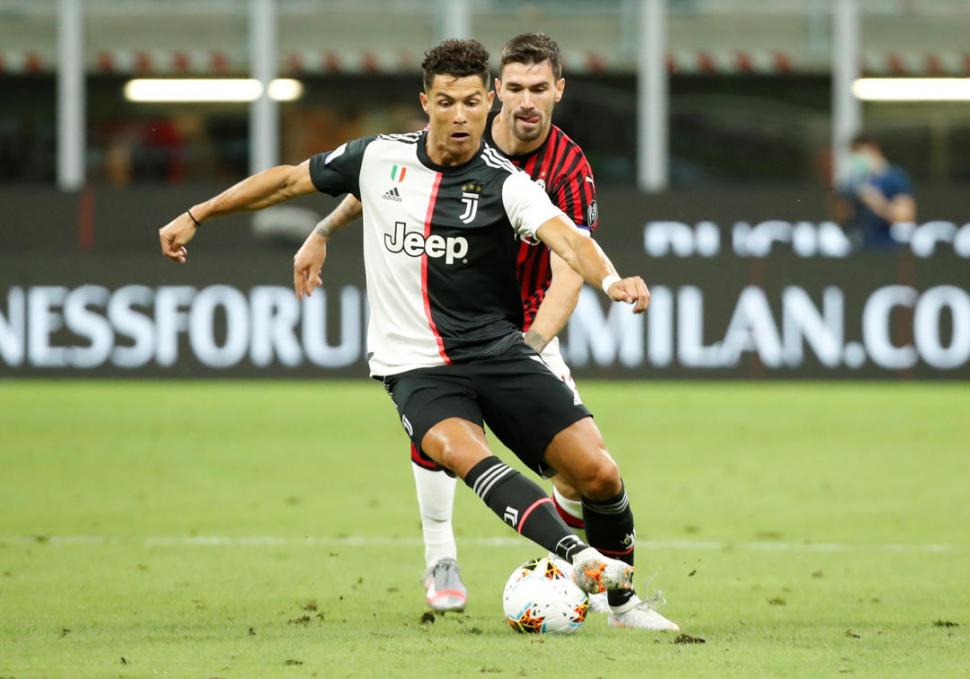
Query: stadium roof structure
x,y
685,62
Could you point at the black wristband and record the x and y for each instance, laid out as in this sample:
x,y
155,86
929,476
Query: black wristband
x,y
197,222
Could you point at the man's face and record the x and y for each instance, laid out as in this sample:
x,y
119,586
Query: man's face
x,y
457,109
865,158
528,93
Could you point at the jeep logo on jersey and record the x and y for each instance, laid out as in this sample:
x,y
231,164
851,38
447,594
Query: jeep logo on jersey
x,y
414,244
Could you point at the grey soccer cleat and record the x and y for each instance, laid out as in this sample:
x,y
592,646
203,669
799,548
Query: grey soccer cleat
x,y
599,603
444,589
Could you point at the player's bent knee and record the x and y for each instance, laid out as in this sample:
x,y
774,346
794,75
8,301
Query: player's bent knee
x,y
455,446
602,481
566,490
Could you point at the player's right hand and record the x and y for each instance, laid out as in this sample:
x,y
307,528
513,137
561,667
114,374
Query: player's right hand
x,y
307,265
631,290
174,235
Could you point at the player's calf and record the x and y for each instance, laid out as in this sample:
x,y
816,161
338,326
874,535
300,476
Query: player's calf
x,y
522,505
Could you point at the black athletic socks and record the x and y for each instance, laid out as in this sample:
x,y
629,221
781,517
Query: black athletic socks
x,y
609,528
523,505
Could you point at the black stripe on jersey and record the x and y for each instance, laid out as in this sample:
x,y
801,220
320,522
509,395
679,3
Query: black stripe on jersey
x,y
529,167
473,298
568,189
549,150
563,145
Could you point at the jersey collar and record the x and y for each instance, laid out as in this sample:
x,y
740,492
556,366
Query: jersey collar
x,y
519,158
444,169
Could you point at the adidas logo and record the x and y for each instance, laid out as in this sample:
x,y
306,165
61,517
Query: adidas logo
x,y
393,194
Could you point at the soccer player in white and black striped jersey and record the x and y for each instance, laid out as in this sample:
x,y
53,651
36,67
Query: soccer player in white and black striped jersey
x,y
440,246
529,84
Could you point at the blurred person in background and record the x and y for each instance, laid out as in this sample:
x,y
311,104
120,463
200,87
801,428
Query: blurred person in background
x,y
877,195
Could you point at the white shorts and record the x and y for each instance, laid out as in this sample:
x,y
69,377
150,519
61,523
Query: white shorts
x,y
552,357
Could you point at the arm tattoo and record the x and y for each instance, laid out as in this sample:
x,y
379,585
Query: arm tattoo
x,y
335,221
326,227
536,341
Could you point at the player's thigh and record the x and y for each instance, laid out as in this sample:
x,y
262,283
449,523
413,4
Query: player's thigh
x,y
526,405
425,398
456,444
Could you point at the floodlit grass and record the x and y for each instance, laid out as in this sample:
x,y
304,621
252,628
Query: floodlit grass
x,y
800,529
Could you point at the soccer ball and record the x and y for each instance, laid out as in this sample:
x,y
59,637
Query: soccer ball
x,y
540,597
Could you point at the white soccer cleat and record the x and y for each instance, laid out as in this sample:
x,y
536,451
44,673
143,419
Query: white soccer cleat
x,y
639,614
595,573
599,603
444,589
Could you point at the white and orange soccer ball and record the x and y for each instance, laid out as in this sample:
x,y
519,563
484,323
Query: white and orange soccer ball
x,y
540,597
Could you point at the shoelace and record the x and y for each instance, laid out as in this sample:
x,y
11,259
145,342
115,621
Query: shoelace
x,y
656,601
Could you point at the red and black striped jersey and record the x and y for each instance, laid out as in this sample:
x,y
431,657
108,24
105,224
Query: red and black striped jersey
x,y
561,168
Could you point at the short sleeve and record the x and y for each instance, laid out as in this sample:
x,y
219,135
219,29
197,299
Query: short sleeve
x,y
337,172
575,195
901,185
527,205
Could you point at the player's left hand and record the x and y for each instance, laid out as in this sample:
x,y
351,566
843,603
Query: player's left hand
x,y
631,290
174,235
307,265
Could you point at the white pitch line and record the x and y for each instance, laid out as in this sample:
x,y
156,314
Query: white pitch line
x,y
388,541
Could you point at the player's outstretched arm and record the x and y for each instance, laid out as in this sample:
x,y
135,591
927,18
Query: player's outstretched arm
x,y
557,306
585,257
308,260
263,189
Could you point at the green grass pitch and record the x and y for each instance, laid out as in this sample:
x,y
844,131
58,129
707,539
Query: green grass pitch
x,y
269,529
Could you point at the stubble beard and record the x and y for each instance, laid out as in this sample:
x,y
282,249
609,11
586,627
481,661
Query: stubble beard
x,y
528,135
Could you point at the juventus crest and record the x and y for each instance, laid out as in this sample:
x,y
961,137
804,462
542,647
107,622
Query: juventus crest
x,y
470,195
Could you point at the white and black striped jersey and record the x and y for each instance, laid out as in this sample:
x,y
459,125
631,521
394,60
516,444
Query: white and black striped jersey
x,y
440,247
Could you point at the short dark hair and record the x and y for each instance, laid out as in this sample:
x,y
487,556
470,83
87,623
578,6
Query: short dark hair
x,y
532,48
458,58
864,139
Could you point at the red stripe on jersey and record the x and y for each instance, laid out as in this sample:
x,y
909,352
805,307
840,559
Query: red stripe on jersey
x,y
567,197
526,269
548,156
561,148
530,166
424,270
543,275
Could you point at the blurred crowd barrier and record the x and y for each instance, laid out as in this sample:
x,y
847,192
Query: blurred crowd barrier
x,y
750,86
390,35
759,284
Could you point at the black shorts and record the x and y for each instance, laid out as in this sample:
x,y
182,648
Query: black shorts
x,y
523,402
